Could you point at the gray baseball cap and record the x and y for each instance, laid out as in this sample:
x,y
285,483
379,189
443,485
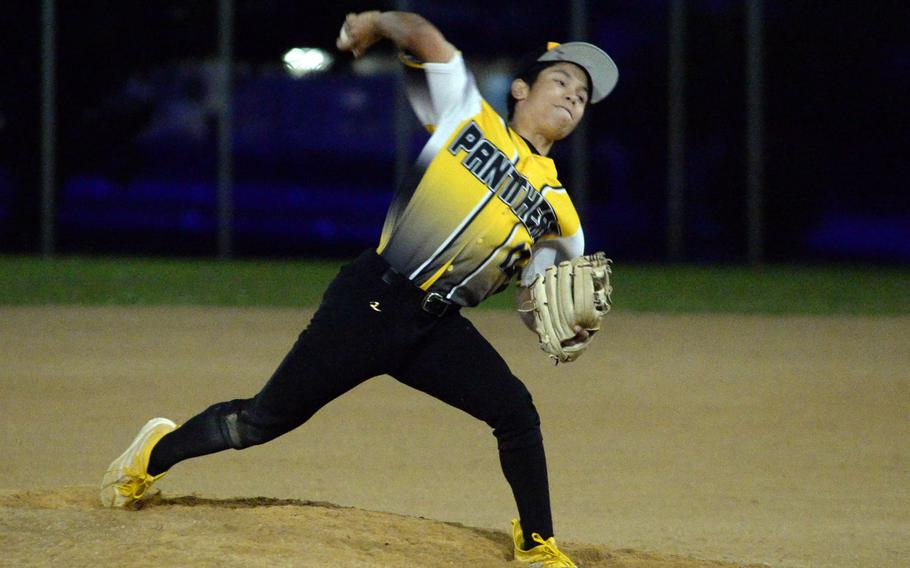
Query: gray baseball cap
x,y
603,71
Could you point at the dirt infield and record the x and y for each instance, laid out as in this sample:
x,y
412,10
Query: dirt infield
x,y
192,531
780,441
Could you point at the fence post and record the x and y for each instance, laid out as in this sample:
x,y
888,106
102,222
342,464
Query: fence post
x,y
225,182
403,120
580,148
676,131
48,127
755,159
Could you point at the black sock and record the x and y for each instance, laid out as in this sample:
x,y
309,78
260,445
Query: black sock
x,y
198,437
526,471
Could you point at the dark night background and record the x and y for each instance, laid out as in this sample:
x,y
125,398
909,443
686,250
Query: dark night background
x,y
314,157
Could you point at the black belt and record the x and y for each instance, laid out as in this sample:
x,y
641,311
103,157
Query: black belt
x,y
432,302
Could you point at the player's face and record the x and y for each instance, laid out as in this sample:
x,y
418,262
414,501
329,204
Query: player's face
x,y
558,98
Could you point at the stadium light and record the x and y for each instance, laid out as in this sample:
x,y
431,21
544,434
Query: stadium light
x,y
301,61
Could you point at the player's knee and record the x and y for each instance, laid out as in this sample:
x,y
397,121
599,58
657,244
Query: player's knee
x,y
519,426
237,428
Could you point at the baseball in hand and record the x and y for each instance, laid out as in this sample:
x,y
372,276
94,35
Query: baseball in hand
x,y
343,35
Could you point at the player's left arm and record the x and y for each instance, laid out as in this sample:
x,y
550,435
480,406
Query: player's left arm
x,y
409,31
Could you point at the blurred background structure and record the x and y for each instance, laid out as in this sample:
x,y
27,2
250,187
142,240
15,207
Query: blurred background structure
x,y
740,131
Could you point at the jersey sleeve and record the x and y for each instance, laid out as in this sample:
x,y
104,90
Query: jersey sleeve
x,y
549,251
437,91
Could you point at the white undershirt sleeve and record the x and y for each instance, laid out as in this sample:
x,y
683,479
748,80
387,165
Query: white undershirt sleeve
x,y
547,252
436,91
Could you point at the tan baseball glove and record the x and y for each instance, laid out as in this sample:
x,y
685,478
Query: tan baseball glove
x,y
574,292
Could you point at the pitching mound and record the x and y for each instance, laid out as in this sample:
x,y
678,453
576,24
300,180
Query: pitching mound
x,y
69,527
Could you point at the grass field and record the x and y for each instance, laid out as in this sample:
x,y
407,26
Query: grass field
x,y
775,289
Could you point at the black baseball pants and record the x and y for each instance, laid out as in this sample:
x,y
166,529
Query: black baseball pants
x,y
368,325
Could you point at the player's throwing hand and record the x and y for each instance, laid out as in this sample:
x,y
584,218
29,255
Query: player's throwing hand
x,y
358,33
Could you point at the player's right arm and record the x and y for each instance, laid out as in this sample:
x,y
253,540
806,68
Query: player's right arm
x,y
410,32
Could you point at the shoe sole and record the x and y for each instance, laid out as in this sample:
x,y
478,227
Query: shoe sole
x,y
110,497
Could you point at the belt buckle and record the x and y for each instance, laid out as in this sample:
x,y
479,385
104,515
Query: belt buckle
x,y
435,304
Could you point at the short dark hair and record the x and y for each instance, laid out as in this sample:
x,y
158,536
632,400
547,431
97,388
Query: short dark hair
x,y
528,71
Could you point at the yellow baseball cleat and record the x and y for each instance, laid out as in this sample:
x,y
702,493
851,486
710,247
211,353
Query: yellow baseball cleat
x,y
127,478
545,555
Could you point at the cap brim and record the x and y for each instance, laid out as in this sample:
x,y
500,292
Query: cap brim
x,y
603,71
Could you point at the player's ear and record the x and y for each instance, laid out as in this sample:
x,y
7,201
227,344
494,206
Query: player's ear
x,y
520,90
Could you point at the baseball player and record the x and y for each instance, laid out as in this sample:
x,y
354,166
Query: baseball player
x,y
482,205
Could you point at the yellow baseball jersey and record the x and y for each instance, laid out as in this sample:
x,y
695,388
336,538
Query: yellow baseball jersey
x,y
480,205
